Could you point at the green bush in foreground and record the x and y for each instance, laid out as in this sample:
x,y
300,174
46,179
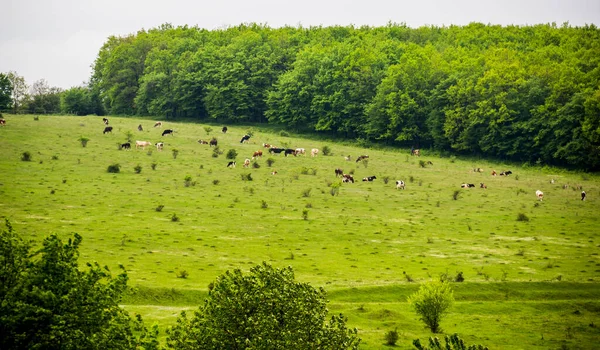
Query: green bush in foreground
x,y
264,309
453,342
48,303
431,302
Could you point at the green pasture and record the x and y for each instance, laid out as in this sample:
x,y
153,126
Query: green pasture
x,y
531,268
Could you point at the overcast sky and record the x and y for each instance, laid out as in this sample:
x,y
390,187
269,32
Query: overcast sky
x,y
58,40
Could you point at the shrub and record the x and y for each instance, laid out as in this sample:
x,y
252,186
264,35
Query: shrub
x,y
306,192
174,218
182,274
334,189
55,157
84,140
246,177
216,152
159,208
453,342
422,163
187,181
264,204
283,133
326,151
522,217
270,162
26,156
231,154
175,152
255,165
208,129
114,168
431,302
153,166
456,194
305,214
262,309
137,169
216,181
391,337
386,179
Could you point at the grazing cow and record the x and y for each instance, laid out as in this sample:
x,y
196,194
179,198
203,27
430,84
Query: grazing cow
x,y
314,152
583,195
467,185
506,173
231,164
266,145
275,150
142,144
140,128
290,151
539,194
494,173
224,130
2,122
348,158
552,181
300,151
274,173
415,152
482,185
246,163
400,184
257,154
369,178
213,142
158,124
347,178
203,142
565,186
361,158
245,138
159,146
478,170
339,172
125,145
105,121
107,129
168,132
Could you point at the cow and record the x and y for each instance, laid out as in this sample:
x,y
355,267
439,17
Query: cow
x,y
245,138
539,194
552,181
266,145
142,144
482,185
506,173
105,120
213,142
415,152
347,178
361,158
583,195
203,142
168,132
300,151
274,173
159,146
140,128
348,158
314,152
478,170
125,145
467,185
339,172
370,178
158,125
400,184
2,122
494,173
107,129
224,130
257,154
275,150
246,163
289,151
231,164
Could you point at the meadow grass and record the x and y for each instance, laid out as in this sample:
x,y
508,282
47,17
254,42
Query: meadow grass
x,y
368,244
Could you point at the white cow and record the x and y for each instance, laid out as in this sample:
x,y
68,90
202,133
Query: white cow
x,y
314,152
246,163
539,194
160,145
142,144
399,184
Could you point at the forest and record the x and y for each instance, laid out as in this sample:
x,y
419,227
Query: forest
x,y
528,94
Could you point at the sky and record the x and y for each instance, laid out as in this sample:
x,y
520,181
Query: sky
x,y
59,40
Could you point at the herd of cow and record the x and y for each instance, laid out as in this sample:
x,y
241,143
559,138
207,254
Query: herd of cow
x,y
346,178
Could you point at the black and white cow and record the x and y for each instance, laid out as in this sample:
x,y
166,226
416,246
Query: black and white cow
x,y
168,132
370,178
399,184
245,138
231,164
107,129
125,145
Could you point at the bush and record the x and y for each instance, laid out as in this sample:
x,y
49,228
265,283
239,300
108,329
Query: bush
x,y
453,342
26,156
231,154
284,133
306,192
208,129
83,140
522,217
153,166
182,274
174,218
264,204
270,162
216,152
431,302
137,169
305,214
391,337
255,165
326,151
456,194
175,152
159,208
114,168
246,177
187,181
262,309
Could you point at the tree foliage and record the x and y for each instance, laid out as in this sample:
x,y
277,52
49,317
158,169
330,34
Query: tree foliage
x,y
520,93
5,92
431,302
46,302
264,309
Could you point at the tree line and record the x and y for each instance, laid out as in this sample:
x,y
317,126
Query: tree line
x,y
521,93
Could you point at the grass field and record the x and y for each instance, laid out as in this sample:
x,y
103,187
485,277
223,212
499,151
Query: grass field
x,y
531,268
